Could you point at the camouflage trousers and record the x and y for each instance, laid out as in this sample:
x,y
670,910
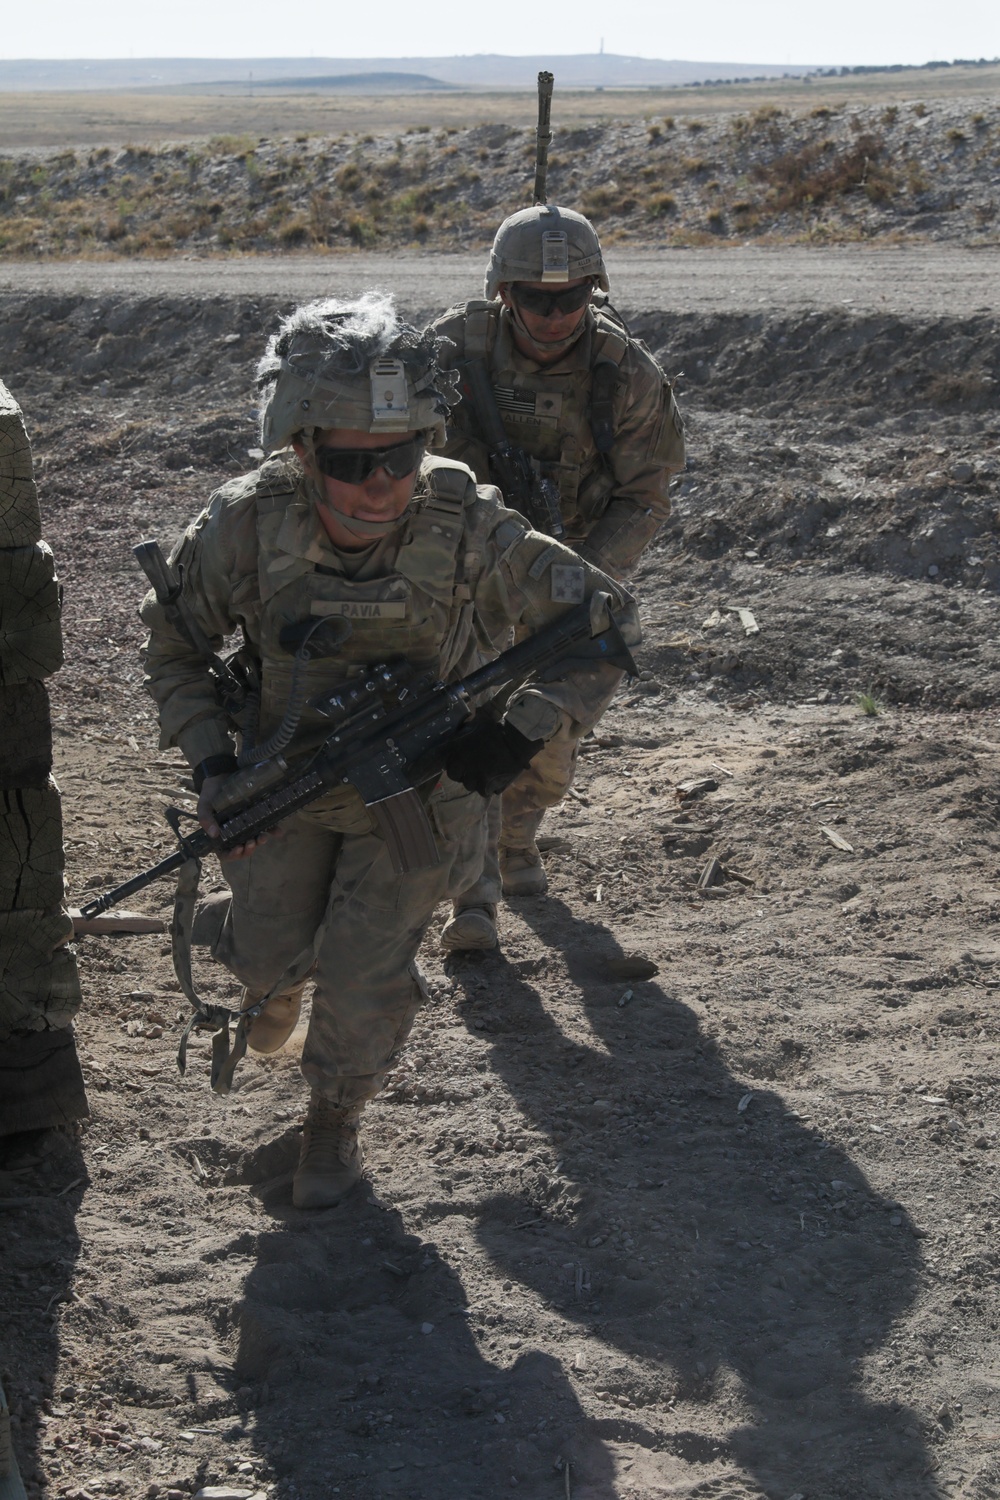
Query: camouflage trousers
x,y
513,819
338,889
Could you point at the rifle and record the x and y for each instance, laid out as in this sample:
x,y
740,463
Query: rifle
x,y
389,729
235,688
543,135
523,487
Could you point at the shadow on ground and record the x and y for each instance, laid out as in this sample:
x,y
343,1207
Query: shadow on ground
x,y
367,1319
42,1181
733,1279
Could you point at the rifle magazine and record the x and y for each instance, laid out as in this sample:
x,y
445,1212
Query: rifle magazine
x,y
403,822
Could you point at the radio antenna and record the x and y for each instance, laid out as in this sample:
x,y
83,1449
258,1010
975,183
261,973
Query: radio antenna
x,y
543,134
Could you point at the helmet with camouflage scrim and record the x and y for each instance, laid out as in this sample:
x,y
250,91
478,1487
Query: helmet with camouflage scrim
x,y
352,364
545,243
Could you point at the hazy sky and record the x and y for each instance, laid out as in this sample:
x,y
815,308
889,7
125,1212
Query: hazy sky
x,y
764,31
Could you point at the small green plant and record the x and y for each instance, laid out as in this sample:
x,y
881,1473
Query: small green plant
x,y
654,132
869,704
890,114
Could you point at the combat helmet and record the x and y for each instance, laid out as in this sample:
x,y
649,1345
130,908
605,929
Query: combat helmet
x,y
545,243
352,364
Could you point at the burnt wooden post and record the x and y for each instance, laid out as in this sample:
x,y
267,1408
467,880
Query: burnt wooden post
x,y
41,1084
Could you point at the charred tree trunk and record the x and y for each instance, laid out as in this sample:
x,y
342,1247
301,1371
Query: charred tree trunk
x,y
41,1084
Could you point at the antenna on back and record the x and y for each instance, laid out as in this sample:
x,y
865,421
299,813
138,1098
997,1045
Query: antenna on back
x,y
543,134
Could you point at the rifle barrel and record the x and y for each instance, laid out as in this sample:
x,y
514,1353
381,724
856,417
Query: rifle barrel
x,y
139,882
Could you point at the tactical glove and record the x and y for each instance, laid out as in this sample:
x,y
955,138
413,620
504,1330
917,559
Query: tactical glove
x,y
486,756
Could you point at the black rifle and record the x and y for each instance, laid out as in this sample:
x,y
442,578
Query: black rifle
x,y
235,687
389,729
524,489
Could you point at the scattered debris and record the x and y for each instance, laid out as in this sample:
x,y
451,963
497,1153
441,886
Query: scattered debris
x,y
712,874
835,838
697,786
750,626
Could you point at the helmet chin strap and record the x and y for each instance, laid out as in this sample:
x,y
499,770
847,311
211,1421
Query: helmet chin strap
x,y
365,531
550,346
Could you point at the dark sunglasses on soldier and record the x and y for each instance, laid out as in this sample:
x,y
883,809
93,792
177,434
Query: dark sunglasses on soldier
x,y
355,465
544,303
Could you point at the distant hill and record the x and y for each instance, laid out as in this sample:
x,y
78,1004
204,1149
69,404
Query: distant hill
x,y
485,70
372,83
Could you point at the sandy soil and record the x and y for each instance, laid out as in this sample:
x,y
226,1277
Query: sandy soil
x,y
726,1229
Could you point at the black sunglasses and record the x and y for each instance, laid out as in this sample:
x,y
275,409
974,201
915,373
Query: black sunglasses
x,y
545,304
355,465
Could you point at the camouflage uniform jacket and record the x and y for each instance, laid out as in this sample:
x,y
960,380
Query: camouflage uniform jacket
x,y
606,393
445,591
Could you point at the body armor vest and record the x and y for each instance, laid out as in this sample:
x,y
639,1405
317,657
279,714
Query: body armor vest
x,y
420,609
563,416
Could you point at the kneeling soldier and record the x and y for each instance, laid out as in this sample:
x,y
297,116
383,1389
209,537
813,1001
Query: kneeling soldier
x,y
349,525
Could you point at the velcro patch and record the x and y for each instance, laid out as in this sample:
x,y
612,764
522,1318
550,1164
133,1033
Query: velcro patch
x,y
568,584
362,609
543,559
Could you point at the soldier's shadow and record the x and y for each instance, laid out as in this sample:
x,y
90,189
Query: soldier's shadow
x,y
363,1357
738,1252
38,1207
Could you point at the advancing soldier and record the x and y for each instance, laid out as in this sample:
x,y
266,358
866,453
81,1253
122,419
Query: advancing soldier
x,y
401,556
595,413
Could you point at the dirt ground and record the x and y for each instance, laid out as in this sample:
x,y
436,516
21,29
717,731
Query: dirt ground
x,y
725,1231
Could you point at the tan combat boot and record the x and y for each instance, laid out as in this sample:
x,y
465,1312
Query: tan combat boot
x,y
522,871
269,1031
331,1158
471,929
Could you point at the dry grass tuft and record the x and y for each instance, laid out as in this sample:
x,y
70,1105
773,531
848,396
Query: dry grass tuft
x,y
819,172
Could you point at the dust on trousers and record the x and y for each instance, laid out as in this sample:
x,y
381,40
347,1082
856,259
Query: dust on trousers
x,y
336,888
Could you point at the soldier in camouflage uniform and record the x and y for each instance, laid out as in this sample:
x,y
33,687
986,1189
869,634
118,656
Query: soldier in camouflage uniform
x,y
349,522
596,414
